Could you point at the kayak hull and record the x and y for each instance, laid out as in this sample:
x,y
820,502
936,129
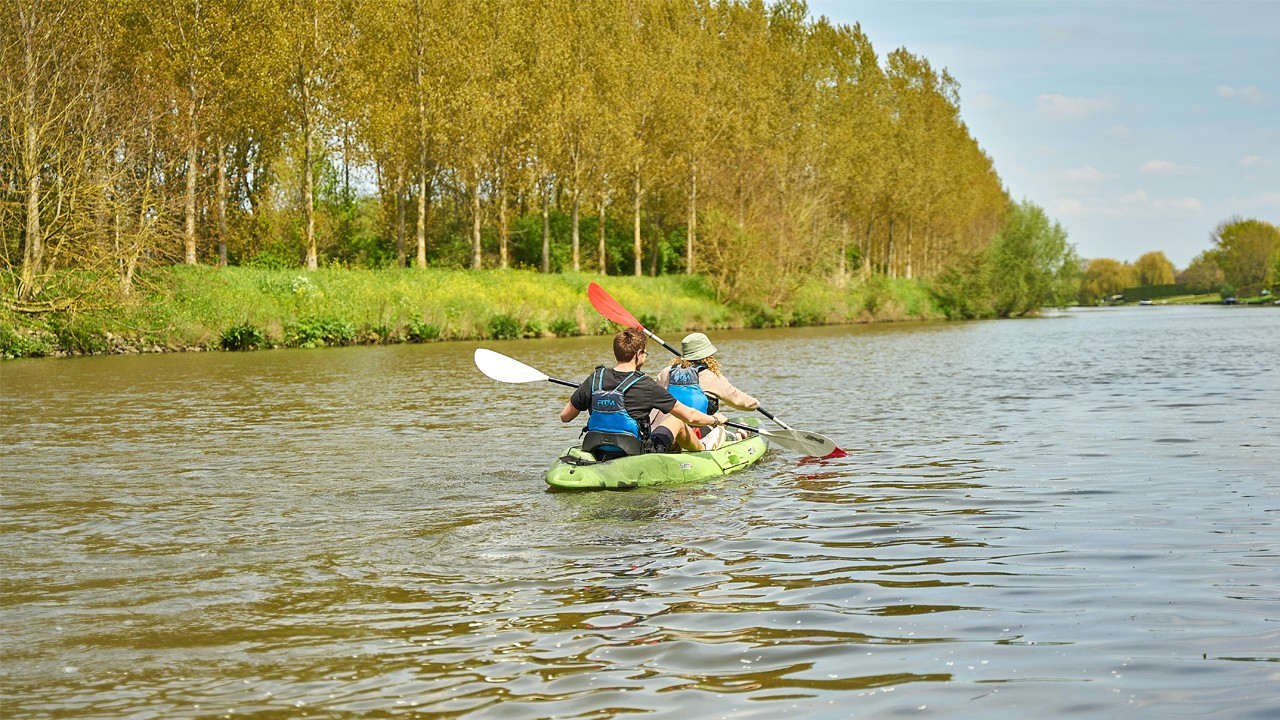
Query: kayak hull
x,y
577,470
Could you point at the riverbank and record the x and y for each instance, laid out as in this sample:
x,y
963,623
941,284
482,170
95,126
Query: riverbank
x,y
200,308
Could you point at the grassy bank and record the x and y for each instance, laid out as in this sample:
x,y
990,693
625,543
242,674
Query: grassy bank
x,y
238,308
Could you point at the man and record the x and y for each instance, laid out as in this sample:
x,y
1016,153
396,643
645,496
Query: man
x,y
620,401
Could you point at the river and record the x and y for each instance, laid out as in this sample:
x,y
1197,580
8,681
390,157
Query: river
x,y
1072,516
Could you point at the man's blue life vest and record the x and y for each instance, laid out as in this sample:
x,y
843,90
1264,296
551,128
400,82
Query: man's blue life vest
x,y
683,385
611,431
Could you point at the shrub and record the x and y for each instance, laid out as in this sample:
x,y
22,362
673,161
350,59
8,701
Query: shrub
x,y
650,322
81,336
380,333
243,337
15,345
564,327
504,327
421,331
278,256
533,328
310,332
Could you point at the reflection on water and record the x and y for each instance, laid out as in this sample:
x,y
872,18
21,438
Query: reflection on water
x,y
1070,516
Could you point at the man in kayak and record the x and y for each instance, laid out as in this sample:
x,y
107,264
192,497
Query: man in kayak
x,y
695,379
621,401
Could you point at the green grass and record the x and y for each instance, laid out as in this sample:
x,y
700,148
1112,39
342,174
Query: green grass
x,y
245,308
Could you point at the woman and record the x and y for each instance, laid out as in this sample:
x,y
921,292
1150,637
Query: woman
x,y
695,379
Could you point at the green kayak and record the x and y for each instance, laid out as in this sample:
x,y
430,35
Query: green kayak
x,y
578,470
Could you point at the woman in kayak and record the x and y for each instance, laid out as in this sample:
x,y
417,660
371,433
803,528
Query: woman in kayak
x,y
695,380
621,401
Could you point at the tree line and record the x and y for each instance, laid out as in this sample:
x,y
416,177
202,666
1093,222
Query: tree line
x,y
741,140
1244,257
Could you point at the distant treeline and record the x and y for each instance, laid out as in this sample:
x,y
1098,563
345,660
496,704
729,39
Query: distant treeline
x,y
1244,259
743,141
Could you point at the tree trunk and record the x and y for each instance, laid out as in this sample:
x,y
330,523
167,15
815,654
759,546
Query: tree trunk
x,y
891,270
546,227
655,231
843,278
193,148
691,234
636,232
907,255
419,83
503,231
400,254
576,204
308,175
577,201
222,204
604,252
866,249
422,211
33,245
477,262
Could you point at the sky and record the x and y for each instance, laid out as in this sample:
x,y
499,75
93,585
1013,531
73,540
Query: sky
x,y
1139,126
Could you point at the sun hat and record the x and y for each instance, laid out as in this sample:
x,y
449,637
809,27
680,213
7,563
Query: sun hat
x,y
696,346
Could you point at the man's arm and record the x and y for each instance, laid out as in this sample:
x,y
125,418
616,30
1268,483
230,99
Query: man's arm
x,y
569,413
694,417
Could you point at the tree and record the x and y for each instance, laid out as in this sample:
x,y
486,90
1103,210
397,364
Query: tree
x,y
1154,268
1203,275
318,37
1029,265
1103,278
1033,264
1244,248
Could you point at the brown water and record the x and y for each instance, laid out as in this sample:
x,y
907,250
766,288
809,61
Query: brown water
x,y
1073,516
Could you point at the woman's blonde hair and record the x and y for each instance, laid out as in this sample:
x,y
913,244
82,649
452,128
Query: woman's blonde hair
x,y
712,364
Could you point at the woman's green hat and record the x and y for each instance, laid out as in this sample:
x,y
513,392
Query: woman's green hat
x,y
696,346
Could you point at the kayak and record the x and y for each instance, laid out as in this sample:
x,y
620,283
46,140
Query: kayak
x,y
578,470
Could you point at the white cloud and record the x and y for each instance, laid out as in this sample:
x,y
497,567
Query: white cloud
x,y
1070,206
1137,197
1088,174
1061,107
1249,93
1250,161
1189,203
983,101
1121,131
1165,167
1267,198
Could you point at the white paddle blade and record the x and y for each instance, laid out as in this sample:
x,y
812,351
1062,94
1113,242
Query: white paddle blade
x,y
803,442
505,369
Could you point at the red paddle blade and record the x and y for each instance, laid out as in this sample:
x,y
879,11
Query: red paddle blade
x,y
604,304
837,453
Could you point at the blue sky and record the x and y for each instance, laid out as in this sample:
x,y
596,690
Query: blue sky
x,y
1138,126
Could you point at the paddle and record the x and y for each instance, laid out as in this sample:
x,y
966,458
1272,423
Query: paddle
x,y
509,370
604,304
